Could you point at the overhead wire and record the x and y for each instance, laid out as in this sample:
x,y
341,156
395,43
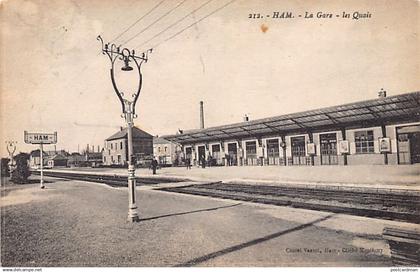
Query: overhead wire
x,y
175,23
191,25
154,22
138,20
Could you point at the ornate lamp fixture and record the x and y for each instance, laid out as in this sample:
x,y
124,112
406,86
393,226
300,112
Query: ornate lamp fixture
x,y
128,103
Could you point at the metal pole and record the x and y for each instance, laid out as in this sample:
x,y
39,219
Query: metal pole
x,y
132,206
128,104
42,165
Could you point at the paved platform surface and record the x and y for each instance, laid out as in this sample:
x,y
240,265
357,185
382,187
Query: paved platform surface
x,y
75,223
376,176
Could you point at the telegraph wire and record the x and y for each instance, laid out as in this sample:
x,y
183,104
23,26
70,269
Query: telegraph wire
x,y
161,17
138,20
178,21
182,30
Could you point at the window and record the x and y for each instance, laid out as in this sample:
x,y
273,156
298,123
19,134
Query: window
x,y
251,149
273,148
364,141
111,146
403,137
121,144
166,149
215,148
119,158
298,146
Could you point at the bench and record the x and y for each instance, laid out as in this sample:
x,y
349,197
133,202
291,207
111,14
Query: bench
x,y
404,245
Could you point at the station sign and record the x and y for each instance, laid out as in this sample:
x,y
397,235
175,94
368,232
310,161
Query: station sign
x,y
311,149
384,145
40,138
344,147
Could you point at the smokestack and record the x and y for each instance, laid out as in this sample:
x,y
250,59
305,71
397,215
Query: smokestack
x,y
246,118
201,115
87,148
382,93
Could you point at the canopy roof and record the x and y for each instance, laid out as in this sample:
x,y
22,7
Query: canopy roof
x,y
375,112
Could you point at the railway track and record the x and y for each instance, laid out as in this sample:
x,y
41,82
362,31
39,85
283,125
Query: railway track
x,y
402,205
387,205
112,180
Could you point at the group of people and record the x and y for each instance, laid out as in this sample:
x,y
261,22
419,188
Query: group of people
x,y
210,161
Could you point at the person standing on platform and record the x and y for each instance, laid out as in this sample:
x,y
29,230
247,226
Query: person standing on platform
x,y
188,163
203,161
154,165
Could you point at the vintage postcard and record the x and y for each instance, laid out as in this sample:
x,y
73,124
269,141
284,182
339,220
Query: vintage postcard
x,y
210,133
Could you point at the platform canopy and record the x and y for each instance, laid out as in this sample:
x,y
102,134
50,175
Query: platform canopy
x,y
375,112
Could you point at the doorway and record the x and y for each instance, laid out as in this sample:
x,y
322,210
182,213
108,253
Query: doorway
x,y
408,144
251,153
273,152
298,150
201,155
328,145
232,154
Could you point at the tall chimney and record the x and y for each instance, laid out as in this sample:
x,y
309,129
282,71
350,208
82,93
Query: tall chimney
x,y
246,118
201,115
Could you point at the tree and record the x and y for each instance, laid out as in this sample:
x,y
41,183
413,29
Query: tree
x,y
5,170
21,173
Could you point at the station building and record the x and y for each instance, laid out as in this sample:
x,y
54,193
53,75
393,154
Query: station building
x,y
379,131
167,153
57,160
35,158
115,150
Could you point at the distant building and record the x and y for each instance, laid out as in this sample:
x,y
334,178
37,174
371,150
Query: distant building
x,y
35,159
52,153
76,159
166,152
115,151
57,161
93,159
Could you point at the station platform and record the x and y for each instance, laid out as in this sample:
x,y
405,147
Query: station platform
x,y
178,230
392,177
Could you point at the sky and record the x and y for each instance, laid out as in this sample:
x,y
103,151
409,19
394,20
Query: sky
x,y
53,77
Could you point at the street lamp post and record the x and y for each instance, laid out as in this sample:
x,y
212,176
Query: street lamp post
x,y
128,104
11,148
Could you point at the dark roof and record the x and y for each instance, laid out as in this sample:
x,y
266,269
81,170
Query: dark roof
x,y
137,133
388,110
160,140
58,157
37,152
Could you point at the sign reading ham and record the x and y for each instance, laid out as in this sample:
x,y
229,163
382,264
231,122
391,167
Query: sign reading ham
x,y
40,138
